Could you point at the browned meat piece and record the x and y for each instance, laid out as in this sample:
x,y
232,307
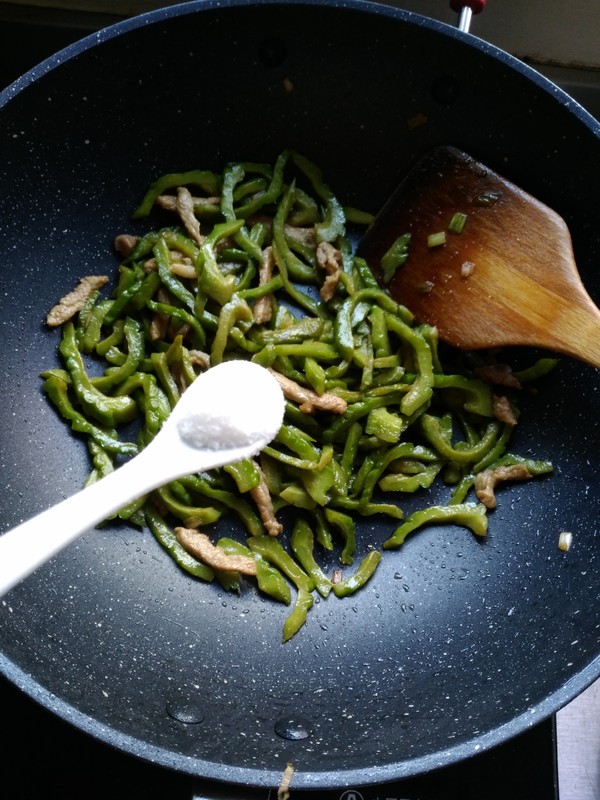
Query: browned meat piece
x,y
503,410
74,301
185,209
182,266
283,791
264,503
486,481
329,259
263,307
199,358
500,374
304,235
124,244
160,322
309,401
199,545
169,201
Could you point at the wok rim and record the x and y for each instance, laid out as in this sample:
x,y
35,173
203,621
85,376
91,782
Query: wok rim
x,y
261,778
257,777
190,7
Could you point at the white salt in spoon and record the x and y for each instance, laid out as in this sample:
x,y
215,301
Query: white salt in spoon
x,y
229,413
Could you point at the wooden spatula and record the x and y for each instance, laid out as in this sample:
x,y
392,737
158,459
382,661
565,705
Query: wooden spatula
x,y
509,278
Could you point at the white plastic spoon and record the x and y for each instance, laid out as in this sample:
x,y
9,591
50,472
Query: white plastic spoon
x,y
229,413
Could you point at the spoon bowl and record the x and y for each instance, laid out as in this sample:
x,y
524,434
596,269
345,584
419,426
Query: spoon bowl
x,y
213,424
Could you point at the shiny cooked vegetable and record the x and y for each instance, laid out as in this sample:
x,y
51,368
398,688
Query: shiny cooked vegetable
x,y
257,263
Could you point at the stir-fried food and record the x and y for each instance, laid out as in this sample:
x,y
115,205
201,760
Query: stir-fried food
x,y
256,262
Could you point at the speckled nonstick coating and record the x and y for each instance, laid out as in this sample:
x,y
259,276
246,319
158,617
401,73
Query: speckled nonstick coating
x,y
457,644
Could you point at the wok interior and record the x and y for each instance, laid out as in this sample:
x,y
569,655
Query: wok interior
x,y
456,644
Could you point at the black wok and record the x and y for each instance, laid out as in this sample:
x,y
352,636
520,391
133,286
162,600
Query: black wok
x,y
456,645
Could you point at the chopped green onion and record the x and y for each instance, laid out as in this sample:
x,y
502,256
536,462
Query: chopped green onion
x,y
457,223
436,239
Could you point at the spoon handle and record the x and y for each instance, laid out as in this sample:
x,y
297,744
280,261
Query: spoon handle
x,y
33,542
192,440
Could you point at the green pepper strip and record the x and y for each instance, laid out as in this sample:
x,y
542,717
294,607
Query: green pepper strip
x,y
381,462
57,391
103,346
410,483
338,429
297,618
386,425
536,467
166,537
163,362
333,224
176,240
363,573
367,508
272,192
350,451
134,336
201,484
231,313
255,292
272,550
357,216
160,365
478,393
367,279
200,515
153,401
208,182
302,542
107,410
471,515
379,334
245,474
91,326
211,281
121,302
422,389
539,369
306,328
295,495
170,281
310,457
269,578
322,529
315,375
181,315
232,175
496,451
101,461
345,525
395,257
295,268
319,482
145,292
346,317
431,428
319,350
